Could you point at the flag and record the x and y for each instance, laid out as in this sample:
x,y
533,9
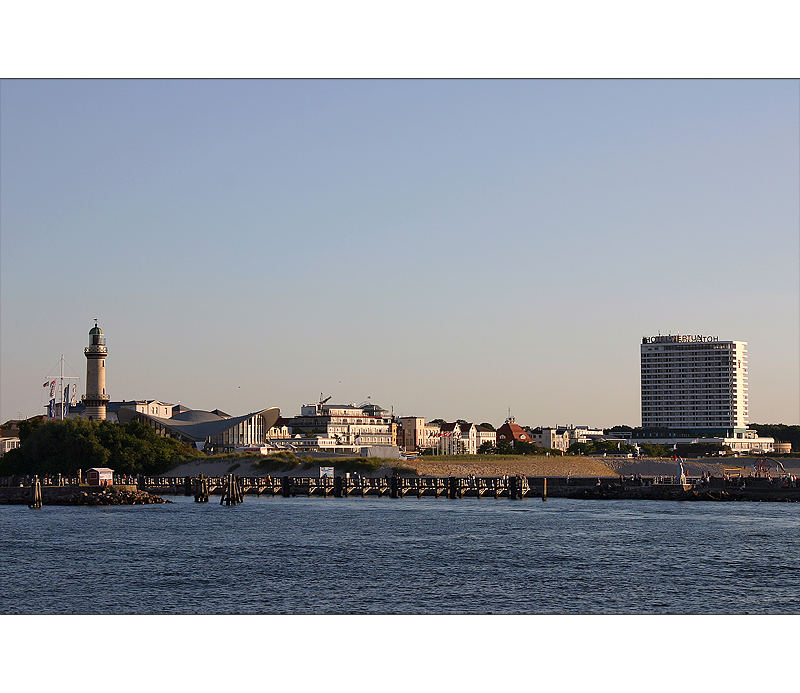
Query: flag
x,y
52,389
52,408
65,401
46,383
74,400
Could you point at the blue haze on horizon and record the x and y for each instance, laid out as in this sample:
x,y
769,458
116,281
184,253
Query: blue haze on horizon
x,y
449,248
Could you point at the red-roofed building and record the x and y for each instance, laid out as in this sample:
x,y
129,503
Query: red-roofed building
x,y
510,433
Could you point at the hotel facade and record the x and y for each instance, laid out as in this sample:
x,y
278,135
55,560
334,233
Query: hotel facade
x,y
694,389
693,382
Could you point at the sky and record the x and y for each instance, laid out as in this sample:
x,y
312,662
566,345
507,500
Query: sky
x,y
450,249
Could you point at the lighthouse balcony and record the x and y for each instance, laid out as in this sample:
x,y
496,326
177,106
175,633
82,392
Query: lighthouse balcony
x,y
88,399
96,349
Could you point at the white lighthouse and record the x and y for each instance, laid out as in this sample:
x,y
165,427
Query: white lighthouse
x,y
95,398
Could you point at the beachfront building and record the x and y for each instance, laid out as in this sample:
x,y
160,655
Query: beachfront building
x,y
551,438
450,439
693,382
511,433
280,430
415,434
743,442
694,388
347,424
207,430
458,438
484,434
152,407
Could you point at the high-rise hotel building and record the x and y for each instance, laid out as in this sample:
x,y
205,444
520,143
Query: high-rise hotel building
x,y
693,382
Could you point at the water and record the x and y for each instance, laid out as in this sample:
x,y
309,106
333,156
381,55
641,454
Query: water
x,y
417,556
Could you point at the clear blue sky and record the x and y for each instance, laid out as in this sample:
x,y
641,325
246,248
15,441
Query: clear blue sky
x,y
451,248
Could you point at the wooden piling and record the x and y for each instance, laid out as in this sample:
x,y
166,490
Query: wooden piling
x,y
454,488
232,491
544,490
201,489
36,494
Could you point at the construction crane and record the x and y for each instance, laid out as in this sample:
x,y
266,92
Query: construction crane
x,y
322,401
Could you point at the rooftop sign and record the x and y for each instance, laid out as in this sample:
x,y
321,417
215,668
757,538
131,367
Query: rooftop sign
x,y
678,338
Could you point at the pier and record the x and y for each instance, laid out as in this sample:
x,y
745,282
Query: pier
x,y
505,487
38,491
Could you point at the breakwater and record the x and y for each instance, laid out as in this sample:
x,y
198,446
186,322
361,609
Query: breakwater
x,y
149,489
508,487
35,494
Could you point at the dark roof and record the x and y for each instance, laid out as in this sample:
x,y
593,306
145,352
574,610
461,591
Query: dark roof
x,y
195,416
484,428
448,426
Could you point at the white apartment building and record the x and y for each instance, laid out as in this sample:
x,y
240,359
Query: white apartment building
x,y
347,424
485,435
693,382
458,439
551,438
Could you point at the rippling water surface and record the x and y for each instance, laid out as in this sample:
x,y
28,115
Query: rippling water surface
x,y
417,556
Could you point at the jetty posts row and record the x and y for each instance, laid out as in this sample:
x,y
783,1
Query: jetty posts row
x,y
513,487
233,489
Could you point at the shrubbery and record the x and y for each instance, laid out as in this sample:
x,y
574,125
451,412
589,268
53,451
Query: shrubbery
x,y
53,447
599,447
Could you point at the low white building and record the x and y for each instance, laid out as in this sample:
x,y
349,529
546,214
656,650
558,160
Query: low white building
x,y
8,443
551,438
458,439
485,435
743,442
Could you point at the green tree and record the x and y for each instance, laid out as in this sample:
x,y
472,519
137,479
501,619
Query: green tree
x,y
72,444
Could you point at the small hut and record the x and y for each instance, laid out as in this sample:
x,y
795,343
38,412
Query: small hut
x,y
100,476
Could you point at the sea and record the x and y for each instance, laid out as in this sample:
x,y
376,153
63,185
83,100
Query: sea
x,y
402,556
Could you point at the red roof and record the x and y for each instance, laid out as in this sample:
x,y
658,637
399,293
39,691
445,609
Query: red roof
x,y
511,431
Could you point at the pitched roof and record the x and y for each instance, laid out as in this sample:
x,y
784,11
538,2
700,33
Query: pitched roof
x,y
513,431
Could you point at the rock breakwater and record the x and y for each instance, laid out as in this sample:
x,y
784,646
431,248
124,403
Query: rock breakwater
x,y
110,496
79,495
